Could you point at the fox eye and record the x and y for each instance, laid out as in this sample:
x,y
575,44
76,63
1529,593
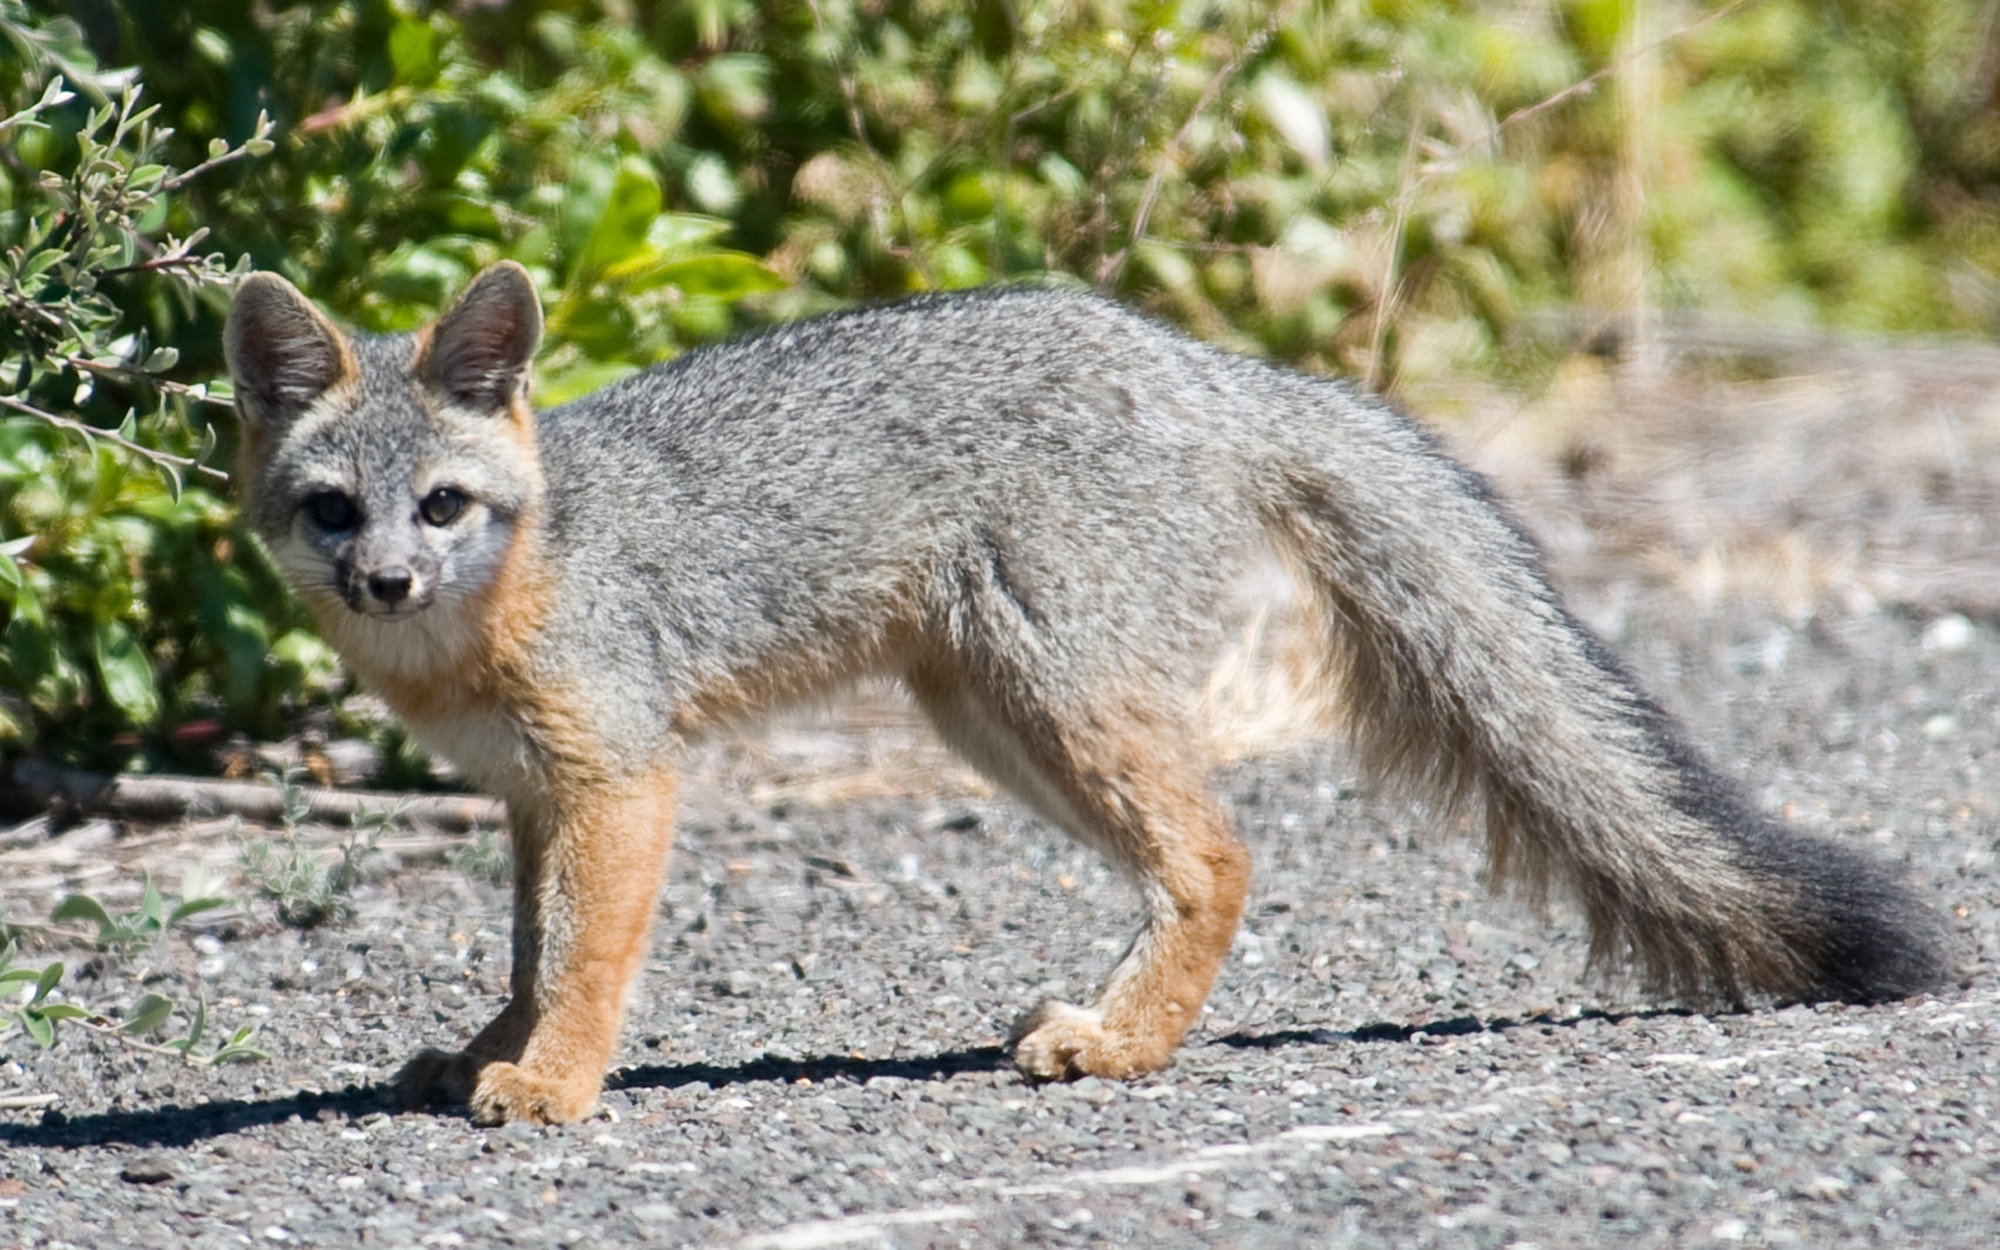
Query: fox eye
x,y
442,506
332,511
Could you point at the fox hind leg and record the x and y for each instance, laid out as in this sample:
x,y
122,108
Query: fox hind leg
x,y
1124,781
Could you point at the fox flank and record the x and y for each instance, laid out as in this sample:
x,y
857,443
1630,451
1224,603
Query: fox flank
x,y
1032,508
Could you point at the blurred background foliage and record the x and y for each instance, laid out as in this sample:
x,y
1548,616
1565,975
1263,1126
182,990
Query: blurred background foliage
x,y
1412,191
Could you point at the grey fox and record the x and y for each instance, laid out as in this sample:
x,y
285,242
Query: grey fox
x,y
1028,506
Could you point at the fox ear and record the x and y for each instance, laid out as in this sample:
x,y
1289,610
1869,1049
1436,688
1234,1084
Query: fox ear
x,y
283,353
478,353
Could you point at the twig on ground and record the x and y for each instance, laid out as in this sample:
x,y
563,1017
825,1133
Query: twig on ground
x,y
170,798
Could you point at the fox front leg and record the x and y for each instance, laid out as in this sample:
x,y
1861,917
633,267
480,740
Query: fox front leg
x,y
587,874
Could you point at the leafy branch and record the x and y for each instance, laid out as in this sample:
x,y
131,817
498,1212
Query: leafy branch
x,y
89,225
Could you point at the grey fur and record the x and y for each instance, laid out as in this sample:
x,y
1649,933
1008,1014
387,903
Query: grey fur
x,y
1066,493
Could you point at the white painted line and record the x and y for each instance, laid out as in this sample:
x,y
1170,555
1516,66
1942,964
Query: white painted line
x,y
1207,1159
1336,1132
852,1228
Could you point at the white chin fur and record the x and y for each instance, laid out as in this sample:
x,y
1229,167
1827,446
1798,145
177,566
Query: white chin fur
x,y
403,611
416,643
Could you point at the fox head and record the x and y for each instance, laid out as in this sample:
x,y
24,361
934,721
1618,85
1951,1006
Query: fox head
x,y
389,476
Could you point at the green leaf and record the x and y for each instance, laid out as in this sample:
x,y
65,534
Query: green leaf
x,y
188,1043
194,907
679,234
413,51
733,86
151,905
466,215
38,1027
724,275
710,184
82,907
28,613
148,1013
1296,116
629,206
419,274
38,263
127,672
581,380
46,981
63,1011
316,665
237,1048
600,325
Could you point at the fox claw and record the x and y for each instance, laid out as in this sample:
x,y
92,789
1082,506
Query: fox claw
x,y
1062,1042
506,1092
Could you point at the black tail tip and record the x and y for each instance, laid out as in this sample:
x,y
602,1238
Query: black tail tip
x,y
1885,963
1872,939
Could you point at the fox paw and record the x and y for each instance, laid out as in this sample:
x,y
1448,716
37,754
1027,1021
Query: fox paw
x,y
435,1077
506,1092
1061,1042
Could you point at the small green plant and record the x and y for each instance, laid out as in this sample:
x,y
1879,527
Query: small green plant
x,y
235,1048
308,892
38,1016
117,932
486,858
38,1012
120,931
292,877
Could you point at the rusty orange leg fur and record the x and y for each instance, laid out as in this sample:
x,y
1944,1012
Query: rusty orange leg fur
x,y
1125,785
1150,814
587,874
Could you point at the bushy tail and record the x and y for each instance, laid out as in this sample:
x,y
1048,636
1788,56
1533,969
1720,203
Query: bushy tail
x,y
1465,679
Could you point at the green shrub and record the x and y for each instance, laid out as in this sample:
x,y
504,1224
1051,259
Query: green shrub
x,y
129,607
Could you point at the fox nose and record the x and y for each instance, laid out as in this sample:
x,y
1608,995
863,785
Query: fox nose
x,y
391,585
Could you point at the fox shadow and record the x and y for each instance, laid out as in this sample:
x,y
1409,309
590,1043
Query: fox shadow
x,y
181,1126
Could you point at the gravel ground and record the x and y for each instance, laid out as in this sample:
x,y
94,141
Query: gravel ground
x,y
1391,1058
